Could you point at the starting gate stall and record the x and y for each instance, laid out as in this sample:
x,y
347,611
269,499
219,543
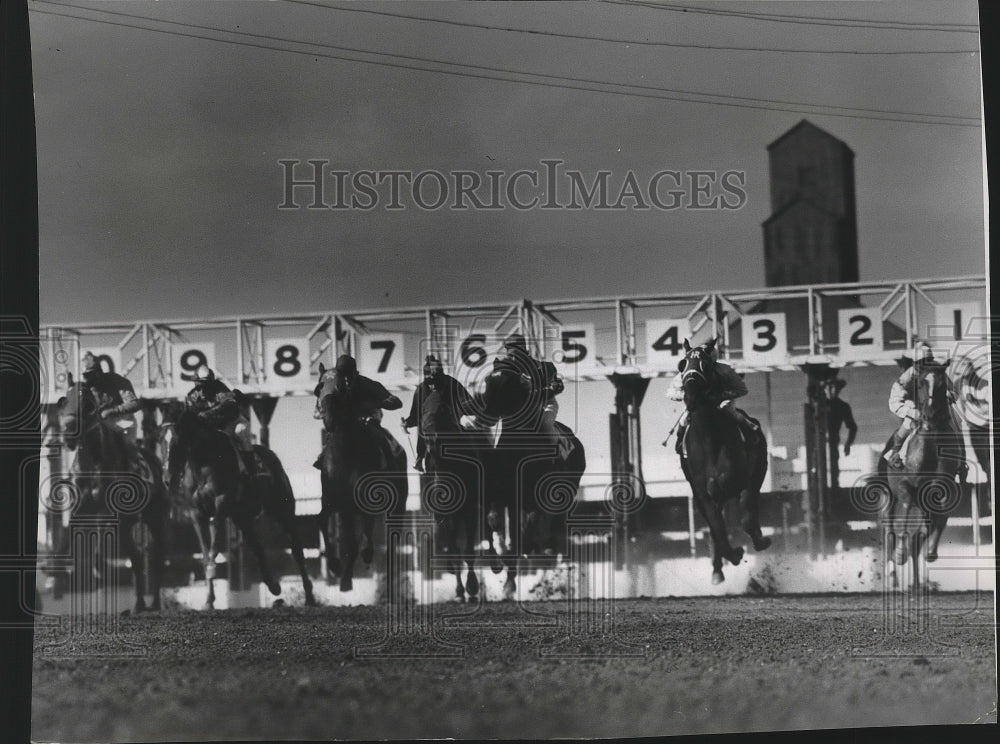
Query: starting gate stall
x,y
775,334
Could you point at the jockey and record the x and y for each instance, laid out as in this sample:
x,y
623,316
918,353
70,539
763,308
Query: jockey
x,y
116,398
438,397
726,386
371,398
901,401
217,405
545,381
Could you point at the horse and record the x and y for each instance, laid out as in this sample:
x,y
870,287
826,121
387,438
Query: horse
x,y
354,485
923,493
203,468
114,479
719,465
535,482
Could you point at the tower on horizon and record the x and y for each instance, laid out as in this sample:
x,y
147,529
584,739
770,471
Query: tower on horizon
x,y
811,236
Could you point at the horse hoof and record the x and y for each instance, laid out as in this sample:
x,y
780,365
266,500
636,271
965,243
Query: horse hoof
x,y
273,586
717,577
931,557
762,544
126,613
278,603
736,556
472,585
346,584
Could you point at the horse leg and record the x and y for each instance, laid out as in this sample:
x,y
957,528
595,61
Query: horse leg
x,y
751,519
326,515
510,585
938,523
205,530
286,518
348,541
157,525
721,548
138,566
367,549
247,525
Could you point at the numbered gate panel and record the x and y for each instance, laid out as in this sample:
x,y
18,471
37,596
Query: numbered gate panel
x,y
665,342
860,333
955,322
381,357
765,339
287,363
474,357
186,358
575,350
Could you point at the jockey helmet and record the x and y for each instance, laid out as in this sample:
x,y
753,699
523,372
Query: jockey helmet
x,y
432,367
203,374
90,368
516,341
346,366
835,383
923,353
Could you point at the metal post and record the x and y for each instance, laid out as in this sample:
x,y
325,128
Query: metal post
x,y
240,372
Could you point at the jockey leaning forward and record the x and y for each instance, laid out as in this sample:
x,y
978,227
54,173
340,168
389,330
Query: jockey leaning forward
x,y
219,407
116,400
438,405
901,401
545,382
370,398
725,386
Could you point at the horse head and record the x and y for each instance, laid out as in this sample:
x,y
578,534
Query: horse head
x,y
697,369
932,396
505,393
334,399
77,413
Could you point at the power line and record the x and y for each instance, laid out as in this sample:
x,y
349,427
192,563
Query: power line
x,y
567,83
965,28
630,42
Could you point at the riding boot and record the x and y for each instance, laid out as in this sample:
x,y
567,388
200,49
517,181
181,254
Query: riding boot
x,y
892,454
679,447
418,465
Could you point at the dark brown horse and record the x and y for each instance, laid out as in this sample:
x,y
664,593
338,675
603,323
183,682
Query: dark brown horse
x,y
535,482
924,492
356,486
114,479
203,467
720,466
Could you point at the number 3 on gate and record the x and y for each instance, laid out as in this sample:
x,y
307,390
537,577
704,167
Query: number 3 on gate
x,y
381,357
765,340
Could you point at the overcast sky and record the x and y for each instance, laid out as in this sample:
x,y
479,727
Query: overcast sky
x,y
159,150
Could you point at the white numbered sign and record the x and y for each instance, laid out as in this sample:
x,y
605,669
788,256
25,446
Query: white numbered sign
x,y
860,332
380,356
575,349
188,357
474,357
955,322
764,339
665,341
287,361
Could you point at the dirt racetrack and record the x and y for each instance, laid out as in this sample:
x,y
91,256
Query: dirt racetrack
x,y
705,665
